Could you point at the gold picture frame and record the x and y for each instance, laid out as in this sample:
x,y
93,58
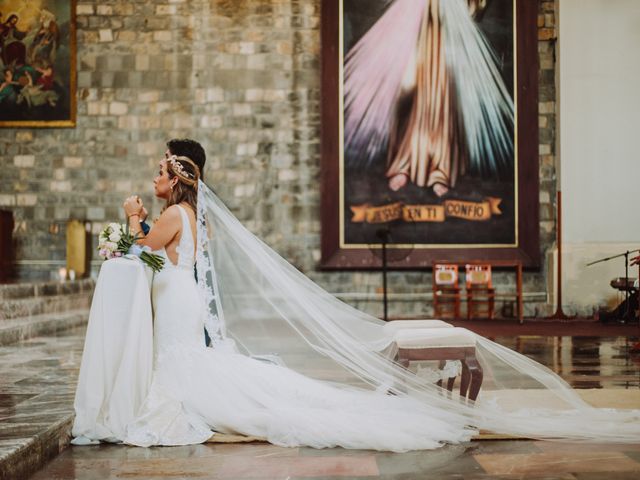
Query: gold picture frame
x,y
38,63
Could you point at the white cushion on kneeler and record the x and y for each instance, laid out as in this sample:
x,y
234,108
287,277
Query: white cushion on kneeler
x,y
395,325
434,338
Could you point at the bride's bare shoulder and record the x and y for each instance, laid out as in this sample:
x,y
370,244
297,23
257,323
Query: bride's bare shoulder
x,y
171,211
170,215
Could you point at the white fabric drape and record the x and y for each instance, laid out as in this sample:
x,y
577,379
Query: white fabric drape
x,y
117,360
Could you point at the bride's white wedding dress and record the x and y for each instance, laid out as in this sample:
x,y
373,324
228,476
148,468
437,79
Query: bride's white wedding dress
x,y
173,390
196,389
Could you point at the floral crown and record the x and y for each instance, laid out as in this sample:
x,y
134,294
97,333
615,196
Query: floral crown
x,y
177,167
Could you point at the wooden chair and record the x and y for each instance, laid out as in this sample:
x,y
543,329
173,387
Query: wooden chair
x,y
480,292
446,292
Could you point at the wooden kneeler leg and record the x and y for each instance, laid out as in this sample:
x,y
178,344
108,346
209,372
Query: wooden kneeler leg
x,y
476,375
441,365
464,379
450,381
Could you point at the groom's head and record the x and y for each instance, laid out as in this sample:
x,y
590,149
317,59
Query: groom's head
x,y
183,147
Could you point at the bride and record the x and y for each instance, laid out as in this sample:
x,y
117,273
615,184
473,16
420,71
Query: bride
x,y
290,363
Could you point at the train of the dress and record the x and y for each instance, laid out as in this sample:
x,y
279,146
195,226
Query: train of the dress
x,y
232,393
267,306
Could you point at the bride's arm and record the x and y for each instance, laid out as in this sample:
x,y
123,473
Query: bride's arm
x,y
163,231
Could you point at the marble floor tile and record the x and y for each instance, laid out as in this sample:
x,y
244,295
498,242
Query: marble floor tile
x,y
203,467
333,452
634,454
450,459
587,447
530,476
507,447
606,476
78,471
265,468
557,463
259,450
399,476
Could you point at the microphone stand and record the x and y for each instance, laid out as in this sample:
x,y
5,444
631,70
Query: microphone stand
x,y
626,277
559,313
383,234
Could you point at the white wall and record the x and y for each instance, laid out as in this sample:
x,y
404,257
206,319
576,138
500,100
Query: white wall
x,y
599,141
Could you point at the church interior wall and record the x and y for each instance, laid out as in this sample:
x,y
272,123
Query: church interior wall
x,y
243,78
598,156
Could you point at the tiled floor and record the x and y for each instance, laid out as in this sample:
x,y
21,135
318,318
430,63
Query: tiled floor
x,y
37,384
584,362
37,378
482,459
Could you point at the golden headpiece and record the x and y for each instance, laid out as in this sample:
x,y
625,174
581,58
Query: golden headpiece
x,y
177,168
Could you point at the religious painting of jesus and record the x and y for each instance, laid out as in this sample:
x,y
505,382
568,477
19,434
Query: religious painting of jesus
x,y
428,104
37,63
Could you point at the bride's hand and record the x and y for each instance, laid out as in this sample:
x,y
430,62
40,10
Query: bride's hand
x,y
133,206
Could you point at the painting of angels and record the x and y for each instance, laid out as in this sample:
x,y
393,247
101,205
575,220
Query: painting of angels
x,y
37,61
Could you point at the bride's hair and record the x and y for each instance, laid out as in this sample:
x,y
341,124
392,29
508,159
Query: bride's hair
x,y
187,173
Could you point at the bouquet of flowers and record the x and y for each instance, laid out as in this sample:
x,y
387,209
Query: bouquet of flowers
x,y
115,240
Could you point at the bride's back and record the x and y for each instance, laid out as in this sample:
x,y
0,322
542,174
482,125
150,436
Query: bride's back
x,y
175,254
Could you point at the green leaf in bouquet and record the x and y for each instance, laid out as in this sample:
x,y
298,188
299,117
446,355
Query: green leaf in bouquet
x,y
156,262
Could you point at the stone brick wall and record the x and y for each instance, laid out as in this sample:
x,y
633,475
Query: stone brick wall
x,y
242,77
547,35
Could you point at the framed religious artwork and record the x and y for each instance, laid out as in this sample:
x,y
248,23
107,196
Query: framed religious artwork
x,y
429,132
38,63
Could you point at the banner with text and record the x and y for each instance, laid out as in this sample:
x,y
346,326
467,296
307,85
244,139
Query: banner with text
x,y
466,210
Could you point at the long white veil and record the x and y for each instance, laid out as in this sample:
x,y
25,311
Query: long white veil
x,y
262,306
